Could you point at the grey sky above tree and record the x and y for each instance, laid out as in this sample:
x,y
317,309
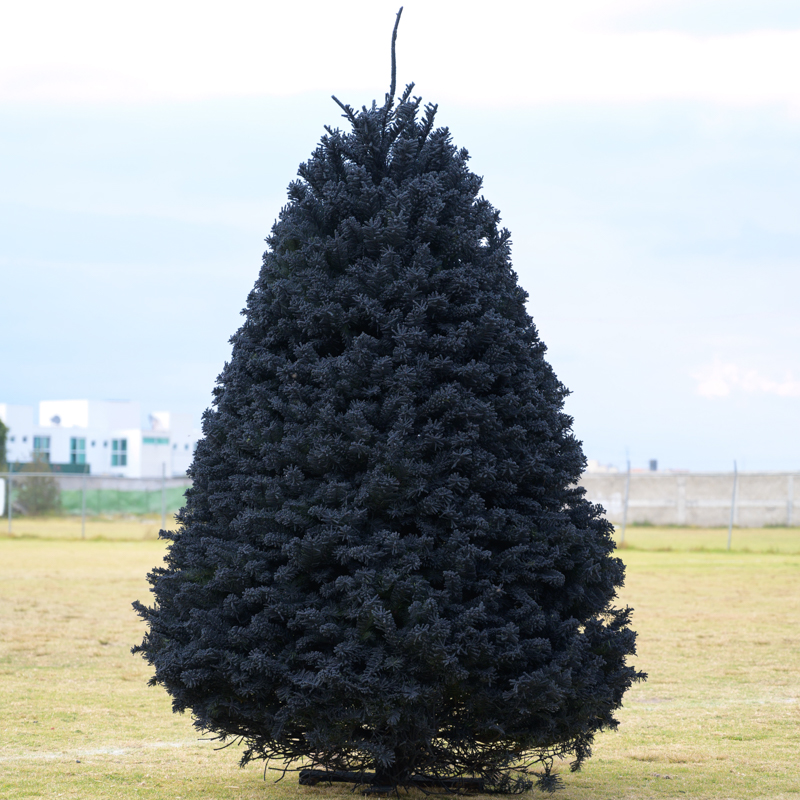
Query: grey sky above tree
x,y
662,195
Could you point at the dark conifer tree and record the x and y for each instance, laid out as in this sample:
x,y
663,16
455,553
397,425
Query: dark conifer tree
x,y
385,564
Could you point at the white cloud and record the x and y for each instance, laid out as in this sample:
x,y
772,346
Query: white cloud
x,y
721,379
533,53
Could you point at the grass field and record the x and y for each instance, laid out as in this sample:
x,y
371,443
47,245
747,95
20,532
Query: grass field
x,y
718,717
637,537
132,528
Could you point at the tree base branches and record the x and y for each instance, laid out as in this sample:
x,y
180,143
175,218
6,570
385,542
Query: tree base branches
x,y
374,783
496,770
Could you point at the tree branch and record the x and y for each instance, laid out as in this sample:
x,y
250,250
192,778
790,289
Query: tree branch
x,y
349,113
393,86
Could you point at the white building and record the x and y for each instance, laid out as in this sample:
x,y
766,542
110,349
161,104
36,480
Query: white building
x,y
107,436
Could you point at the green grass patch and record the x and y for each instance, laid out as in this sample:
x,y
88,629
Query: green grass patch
x,y
710,540
718,718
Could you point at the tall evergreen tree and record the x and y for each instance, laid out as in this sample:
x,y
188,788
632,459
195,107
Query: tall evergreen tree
x,y
385,564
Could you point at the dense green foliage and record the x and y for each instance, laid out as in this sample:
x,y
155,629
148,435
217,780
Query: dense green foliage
x,y
385,561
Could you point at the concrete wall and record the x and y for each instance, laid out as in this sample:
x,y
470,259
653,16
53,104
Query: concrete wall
x,y
698,498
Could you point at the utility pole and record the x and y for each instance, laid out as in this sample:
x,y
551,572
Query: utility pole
x,y
625,507
733,504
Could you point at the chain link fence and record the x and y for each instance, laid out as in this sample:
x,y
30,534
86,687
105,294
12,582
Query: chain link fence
x,y
38,493
695,499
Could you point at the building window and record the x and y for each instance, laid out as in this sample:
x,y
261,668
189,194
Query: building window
x,y
41,447
119,452
77,451
155,440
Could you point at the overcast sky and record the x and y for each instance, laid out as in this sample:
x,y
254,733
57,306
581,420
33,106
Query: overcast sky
x,y
644,154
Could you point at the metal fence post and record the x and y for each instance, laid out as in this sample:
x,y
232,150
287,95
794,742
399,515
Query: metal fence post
x,y
83,507
163,495
625,507
8,501
733,504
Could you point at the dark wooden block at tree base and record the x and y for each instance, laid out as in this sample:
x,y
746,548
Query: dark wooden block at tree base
x,y
311,777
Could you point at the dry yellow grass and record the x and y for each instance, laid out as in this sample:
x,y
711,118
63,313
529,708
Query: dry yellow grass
x,y
139,528
718,718
719,635
132,528
743,540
